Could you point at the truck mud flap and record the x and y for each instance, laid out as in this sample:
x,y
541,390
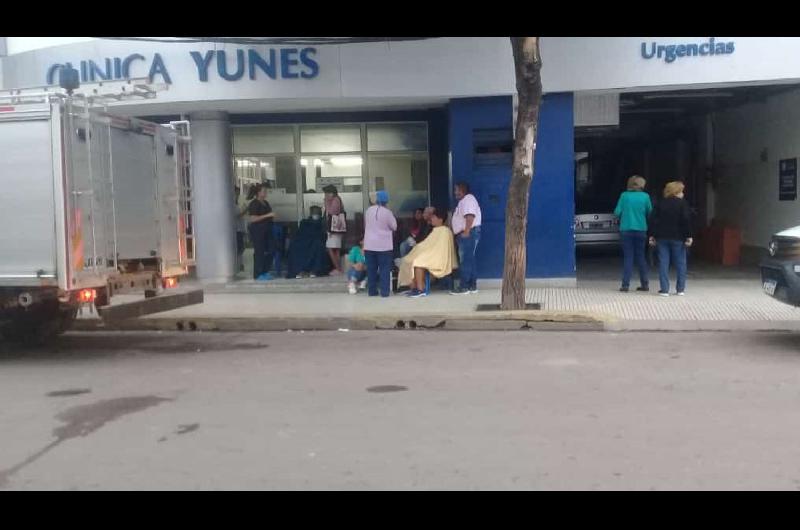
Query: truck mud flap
x,y
148,306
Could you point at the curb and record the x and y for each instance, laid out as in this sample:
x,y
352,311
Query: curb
x,y
499,321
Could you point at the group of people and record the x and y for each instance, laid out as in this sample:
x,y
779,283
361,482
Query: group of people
x,y
314,249
433,249
667,227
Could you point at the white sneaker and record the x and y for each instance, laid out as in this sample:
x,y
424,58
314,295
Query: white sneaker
x,y
363,284
351,288
298,277
663,294
681,293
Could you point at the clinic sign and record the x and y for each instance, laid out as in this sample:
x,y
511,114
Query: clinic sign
x,y
230,65
672,52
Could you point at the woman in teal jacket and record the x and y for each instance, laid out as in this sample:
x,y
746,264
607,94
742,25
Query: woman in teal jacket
x,y
633,209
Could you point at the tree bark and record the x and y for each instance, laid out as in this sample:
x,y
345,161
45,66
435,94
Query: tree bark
x,y
527,66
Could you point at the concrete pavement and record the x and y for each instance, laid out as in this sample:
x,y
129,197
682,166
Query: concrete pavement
x,y
401,410
710,304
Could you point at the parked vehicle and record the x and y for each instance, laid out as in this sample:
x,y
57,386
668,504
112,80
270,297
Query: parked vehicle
x,y
780,272
92,205
596,230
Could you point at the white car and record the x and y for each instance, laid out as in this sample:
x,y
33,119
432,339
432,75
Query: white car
x,y
597,230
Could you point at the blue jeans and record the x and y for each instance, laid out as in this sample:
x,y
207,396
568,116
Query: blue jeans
x,y
633,250
355,276
671,251
405,248
379,271
466,258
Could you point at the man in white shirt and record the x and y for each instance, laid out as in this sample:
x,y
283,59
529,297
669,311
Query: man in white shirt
x,y
466,224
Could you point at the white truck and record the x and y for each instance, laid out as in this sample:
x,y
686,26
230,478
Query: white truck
x,y
91,205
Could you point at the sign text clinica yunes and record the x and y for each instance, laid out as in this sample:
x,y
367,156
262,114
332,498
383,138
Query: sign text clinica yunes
x,y
231,65
672,52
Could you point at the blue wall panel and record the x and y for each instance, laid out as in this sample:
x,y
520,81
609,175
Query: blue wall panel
x,y
550,224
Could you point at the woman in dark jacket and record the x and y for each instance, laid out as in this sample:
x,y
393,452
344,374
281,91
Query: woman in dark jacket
x,y
671,231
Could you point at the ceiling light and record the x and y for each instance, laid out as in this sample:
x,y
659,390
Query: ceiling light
x,y
345,161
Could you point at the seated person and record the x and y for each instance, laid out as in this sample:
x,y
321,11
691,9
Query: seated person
x,y
357,273
426,228
307,253
436,255
413,233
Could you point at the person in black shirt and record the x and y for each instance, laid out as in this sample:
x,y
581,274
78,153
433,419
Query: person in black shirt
x,y
671,230
260,228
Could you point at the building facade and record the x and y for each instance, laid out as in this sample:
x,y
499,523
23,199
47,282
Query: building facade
x,y
415,117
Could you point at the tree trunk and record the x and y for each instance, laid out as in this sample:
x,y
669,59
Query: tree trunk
x,y
527,66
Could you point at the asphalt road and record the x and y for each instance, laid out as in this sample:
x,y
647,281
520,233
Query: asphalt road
x,y
402,410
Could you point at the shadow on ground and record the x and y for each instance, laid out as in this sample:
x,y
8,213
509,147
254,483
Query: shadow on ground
x,y
98,344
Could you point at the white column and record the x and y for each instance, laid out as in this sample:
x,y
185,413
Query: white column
x,y
213,204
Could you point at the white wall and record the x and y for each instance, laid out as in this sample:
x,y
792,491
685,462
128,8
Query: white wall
x,y
25,44
609,63
426,71
747,192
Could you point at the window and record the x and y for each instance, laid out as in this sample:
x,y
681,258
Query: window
x,y
263,140
397,137
404,176
330,138
278,173
492,147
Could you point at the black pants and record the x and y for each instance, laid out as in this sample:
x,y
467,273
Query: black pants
x,y
262,249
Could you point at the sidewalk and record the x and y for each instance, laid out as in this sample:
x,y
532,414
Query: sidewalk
x,y
710,304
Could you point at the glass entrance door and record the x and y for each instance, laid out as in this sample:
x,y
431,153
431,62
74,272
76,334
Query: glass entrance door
x,y
332,155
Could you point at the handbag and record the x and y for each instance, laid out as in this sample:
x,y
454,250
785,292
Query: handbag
x,y
337,224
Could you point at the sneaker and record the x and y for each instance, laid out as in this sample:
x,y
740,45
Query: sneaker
x,y
623,289
363,284
681,293
473,290
644,288
459,291
312,275
351,288
662,293
298,277
417,294
265,277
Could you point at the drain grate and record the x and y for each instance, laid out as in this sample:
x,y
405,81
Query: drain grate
x,y
496,307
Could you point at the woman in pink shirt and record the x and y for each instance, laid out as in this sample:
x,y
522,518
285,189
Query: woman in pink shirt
x,y
379,227
333,206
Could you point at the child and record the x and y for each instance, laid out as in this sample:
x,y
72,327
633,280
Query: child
x,y
358,268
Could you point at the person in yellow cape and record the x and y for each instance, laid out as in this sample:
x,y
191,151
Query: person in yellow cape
x,y
435,254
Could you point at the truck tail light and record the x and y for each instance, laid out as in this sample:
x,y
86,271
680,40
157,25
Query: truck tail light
x,y
170,283
87,295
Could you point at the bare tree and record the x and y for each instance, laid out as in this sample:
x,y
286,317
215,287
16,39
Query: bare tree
x,y
527,67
